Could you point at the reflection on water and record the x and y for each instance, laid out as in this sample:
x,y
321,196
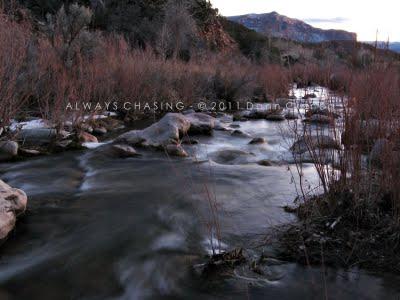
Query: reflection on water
x,y
107,228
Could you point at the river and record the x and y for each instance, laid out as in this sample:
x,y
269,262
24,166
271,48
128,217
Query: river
x,y
99,227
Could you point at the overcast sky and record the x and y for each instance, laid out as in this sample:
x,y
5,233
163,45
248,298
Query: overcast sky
x,y
361,16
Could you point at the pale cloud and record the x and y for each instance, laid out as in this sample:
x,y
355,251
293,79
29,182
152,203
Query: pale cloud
x,y
326,20
363,17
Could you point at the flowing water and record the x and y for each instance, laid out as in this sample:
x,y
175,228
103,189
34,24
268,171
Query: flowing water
x,y
99,227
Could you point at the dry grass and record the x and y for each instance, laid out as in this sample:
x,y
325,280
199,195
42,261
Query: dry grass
x,y
356,220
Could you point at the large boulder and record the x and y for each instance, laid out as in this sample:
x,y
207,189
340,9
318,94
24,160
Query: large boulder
x,y
165,132
12,203
8,150
306,143
200,123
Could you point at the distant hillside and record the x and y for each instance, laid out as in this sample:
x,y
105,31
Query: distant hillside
x,y
395,46
274,24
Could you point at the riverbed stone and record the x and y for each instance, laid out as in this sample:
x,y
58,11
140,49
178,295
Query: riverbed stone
x,y
265,163
257,140
240,133
8,150
319,119
321,111
232,157
201,123
176,150
12,203
306,143
124,151
241,115
86,137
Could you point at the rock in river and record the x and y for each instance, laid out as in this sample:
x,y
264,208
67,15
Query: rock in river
x,y
176,150
86,137
257,140
8,150
12,204
165,132
240,133
306,143
232,157
124,151
200,123
319,119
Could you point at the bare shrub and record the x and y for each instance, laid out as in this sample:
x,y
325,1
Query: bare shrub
x,y
15,40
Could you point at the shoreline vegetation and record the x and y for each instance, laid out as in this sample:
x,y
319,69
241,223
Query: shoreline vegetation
x,y
66,56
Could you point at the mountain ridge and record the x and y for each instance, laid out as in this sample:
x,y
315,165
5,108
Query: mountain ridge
x,y
277,25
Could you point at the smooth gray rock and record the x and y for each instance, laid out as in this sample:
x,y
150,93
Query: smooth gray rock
x,y
201,123
165,132
240,133
232,157
8,150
